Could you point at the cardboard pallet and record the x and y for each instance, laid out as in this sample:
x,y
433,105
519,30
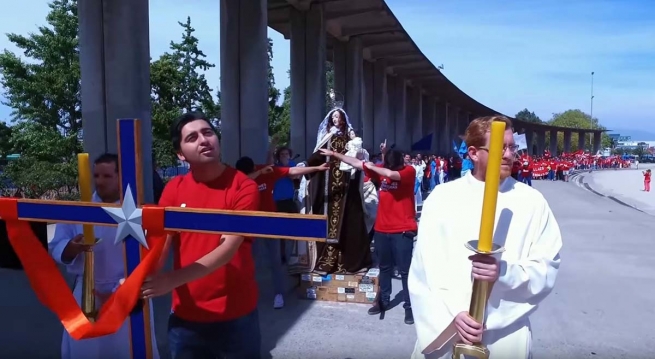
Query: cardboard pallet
x,y
347,288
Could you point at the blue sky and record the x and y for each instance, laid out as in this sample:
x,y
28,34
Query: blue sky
x,y
508,55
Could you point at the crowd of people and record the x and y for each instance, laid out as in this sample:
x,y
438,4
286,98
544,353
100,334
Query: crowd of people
x,y
369,201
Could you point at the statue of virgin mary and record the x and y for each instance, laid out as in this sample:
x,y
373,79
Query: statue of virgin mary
x,y
338,194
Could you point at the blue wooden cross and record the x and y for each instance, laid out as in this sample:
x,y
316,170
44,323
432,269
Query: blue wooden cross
x,y
251,224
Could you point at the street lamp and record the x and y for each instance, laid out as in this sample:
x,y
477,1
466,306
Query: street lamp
x,y
591,111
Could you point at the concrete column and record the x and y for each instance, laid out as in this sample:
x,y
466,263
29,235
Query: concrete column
x,y
529,141
446,143
597,142
354,82
466,117
553,142
434,125
348,79
115,73
368,108
416,114
308,81
340,65
567,141
452,118
427,112
244,86
381,99
403,137
391,109
459,128
581,140
541,142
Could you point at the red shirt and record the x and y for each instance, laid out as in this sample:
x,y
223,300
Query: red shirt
x,y
646,177
229,292
265,184
396,212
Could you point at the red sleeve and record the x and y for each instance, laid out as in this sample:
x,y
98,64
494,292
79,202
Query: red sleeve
x,y
169,195
247,196
280,172
370,174
407,174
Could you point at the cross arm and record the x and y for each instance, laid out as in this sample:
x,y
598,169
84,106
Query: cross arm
x,y
242,223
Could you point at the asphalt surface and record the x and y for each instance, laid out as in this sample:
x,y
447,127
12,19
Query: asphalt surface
x,y
601,306
630,188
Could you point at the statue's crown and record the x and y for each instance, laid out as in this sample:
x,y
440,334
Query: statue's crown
x,y
336,99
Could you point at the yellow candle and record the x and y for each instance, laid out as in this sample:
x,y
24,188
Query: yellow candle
x,y
491,183
86,194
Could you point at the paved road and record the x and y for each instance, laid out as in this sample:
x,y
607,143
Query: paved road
x,y
600,307
625,186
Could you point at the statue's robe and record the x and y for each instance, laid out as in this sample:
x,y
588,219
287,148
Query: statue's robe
x,y
8,257
346,218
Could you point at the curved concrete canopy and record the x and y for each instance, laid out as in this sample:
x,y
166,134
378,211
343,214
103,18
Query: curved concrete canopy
x,y
384,38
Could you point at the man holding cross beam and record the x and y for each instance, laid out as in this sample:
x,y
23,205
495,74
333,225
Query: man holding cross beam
x,y
215,294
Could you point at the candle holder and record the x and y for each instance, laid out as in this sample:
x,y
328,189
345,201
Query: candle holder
x,y
478,306
88,285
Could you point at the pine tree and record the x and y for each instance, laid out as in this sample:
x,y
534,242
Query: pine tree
x,y
46,87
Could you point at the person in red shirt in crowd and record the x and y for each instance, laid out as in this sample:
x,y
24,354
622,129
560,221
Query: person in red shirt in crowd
x,y
647,180
265,176
566,170
552,168
214,312
395,224
526,172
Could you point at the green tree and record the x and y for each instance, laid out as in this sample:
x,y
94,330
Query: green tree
x,y
528,116
581,120
279,126
5,138
193,91
329,83
45,87
178,85
45,166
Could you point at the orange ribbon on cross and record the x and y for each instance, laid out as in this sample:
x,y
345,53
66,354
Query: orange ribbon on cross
x,y
51,288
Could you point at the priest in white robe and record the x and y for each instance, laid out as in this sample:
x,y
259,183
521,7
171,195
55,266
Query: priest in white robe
x,y
66,248
440,277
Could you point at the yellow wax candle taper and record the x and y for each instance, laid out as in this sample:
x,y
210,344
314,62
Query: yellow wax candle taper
x,y
86,193
491,184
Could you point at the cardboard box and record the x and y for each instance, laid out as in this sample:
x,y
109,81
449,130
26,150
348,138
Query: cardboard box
x,y
354,288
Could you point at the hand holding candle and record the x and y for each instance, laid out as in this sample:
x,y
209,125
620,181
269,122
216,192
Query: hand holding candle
x,y
491,184
86,194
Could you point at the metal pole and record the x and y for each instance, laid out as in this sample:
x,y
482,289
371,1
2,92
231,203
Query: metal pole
x,y
591,112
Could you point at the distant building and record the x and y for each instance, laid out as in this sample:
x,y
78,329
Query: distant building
x,y
626,143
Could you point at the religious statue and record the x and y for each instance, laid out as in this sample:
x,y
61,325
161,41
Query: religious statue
x,y
337,193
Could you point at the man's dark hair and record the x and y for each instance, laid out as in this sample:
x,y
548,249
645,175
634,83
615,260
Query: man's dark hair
x,y
180,122
283,148
394,160
107,158
245,164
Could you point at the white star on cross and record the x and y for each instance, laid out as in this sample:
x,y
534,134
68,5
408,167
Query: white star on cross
x,y
128,217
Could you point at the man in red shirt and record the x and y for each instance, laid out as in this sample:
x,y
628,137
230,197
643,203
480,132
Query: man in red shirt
x,y
265,176
215,294
395,224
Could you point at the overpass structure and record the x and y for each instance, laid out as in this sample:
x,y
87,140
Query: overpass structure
x,y
390,89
